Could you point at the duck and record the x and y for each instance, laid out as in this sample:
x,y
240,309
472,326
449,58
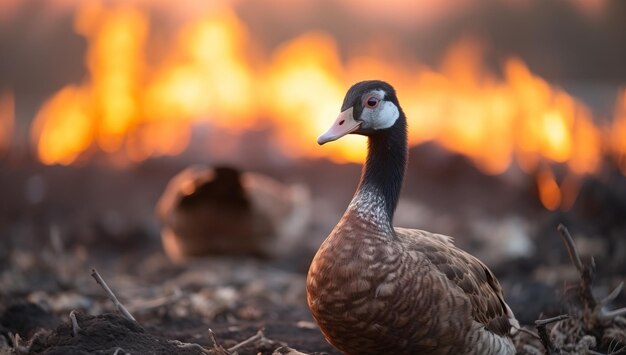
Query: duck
x,y
373,288
223,210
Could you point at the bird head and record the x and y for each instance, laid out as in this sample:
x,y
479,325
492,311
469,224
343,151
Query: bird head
x,y
368,107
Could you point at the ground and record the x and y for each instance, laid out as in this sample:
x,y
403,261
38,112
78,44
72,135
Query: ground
x,y
58,224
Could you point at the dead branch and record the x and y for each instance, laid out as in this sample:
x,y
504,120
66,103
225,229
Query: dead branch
x,y
179,344
120,307
285,350
75,326
593,310
529,332
258,336
610,315
218,349
586,271
571,247
118,349
621,350
544,322
613,295
543,333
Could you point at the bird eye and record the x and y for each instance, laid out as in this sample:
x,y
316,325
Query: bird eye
x,y
372,101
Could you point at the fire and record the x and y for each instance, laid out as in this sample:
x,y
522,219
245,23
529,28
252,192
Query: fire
x,y
549,191
7,119
208,75
475,113
213,74
104,108
63,128
312,59
553,195
115,59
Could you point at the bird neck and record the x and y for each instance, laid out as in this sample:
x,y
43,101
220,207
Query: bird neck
x,y
377,196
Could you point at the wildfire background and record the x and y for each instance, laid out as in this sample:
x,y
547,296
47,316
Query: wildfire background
x,y
516,108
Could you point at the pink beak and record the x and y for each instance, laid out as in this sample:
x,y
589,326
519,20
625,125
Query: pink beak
x,y
343,125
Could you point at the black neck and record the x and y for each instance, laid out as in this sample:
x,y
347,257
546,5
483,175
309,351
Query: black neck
x,y
384,168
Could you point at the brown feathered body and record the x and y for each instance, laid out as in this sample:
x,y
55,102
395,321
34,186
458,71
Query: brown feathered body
x,y
406,291
376,289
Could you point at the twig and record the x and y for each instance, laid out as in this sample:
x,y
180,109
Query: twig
x,y
544,322
118,349
585,271
571,247
259,335
213,339
120,307
613,295
218,348
609,315
592,311
285,350
543,333
529,332
179,344
75,326
621,350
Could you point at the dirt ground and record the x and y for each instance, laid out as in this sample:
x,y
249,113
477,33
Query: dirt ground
x,y
101,218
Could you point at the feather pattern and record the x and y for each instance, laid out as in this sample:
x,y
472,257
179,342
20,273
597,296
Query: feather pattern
x,y
376,289
415,293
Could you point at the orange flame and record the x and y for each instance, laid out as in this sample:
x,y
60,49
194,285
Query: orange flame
x,y
312,59
549,192
212,76
115,61
7,119
208,76
63,128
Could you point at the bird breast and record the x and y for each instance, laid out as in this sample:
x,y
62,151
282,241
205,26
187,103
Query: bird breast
x,y
370,295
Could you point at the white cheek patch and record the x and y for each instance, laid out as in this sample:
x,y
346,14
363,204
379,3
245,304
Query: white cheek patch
x,y
384,116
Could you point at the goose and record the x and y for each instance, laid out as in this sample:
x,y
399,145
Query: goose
x,y
376,289
222,210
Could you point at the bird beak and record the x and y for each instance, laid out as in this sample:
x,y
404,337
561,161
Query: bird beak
x,y
343,125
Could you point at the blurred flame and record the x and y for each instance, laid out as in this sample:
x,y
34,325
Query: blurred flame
x,y
475,114
7,119
64,127
549,192
115,62
208,77
304,88
211,75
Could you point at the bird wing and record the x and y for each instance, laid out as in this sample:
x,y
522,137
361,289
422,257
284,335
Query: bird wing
x,y
472,277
